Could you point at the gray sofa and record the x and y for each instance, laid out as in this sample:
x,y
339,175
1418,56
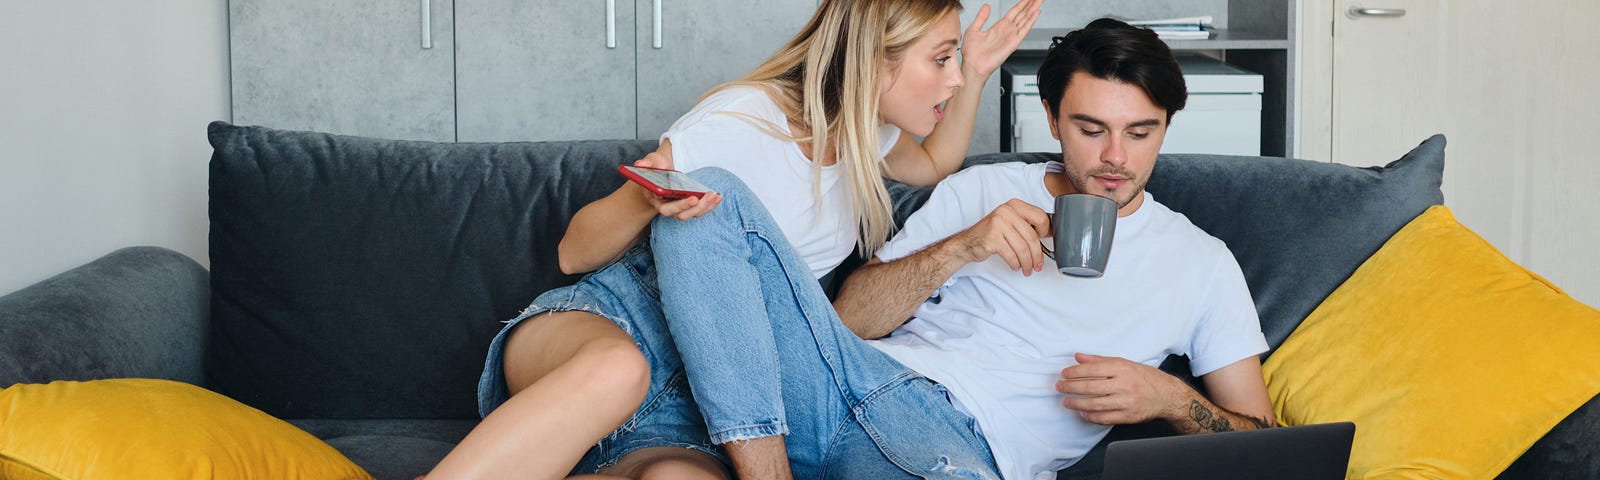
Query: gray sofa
x,y
355,282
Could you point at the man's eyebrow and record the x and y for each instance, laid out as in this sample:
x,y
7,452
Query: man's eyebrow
x,y
1088,119
1149,122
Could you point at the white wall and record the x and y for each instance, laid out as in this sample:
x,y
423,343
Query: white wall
x,y
1516,87
103,108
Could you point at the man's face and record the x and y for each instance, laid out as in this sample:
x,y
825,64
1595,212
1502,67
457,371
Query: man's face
x,y
1110,133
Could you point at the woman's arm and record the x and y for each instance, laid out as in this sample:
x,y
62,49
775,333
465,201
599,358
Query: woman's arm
x,y
942,152
603,230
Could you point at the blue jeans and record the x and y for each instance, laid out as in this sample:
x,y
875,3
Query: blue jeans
x,y
764,354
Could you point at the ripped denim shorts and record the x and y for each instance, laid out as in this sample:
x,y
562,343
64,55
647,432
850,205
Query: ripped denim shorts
x,y
625,293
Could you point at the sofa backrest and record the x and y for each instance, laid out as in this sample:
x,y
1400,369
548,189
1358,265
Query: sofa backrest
x,y
363,278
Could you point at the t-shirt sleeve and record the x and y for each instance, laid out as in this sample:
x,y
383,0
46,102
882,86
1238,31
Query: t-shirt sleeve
x,y
721,131
1229,329
949,210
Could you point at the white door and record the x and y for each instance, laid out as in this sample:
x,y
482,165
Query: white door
x,y
1388,73
1511,84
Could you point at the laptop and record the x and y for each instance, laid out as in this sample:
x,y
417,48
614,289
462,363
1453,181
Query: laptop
x,y
1310,452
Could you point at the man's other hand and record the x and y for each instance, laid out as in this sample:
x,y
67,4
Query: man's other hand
x,y
1114,391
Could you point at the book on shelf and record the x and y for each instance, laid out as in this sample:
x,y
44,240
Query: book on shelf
x,y
1185,22
1185,28
1185,35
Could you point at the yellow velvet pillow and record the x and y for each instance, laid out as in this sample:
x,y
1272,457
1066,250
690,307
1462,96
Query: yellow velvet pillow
x,y
145,428
1450,359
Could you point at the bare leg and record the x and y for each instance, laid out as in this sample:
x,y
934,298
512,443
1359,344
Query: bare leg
x,y
574,377
664,463
764,458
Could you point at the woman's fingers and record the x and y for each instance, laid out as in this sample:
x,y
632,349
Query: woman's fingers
x,y
691,207
980,20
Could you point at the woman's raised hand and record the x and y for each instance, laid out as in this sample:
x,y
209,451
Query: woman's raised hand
x,y
681,208
982,51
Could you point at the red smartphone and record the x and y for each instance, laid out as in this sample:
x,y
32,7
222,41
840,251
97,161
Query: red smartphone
x,y
663,182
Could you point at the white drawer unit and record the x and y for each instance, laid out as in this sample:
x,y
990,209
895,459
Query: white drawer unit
x,y
1223,115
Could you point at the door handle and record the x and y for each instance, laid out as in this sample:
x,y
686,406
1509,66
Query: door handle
x,y
611,23
427,24
1356,11
656,42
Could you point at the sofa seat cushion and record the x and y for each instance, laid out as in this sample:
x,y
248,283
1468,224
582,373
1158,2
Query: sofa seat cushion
x,y
1450,359
363,278
150,428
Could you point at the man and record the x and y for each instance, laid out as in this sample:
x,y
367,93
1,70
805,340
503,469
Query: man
x,y
1045,362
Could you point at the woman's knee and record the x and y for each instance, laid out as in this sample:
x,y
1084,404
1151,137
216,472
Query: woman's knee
x,y
540,346
615,367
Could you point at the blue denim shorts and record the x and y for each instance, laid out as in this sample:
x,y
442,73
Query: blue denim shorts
x,y
625,293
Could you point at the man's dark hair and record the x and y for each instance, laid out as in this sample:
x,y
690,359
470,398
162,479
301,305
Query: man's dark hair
x,y
1110,49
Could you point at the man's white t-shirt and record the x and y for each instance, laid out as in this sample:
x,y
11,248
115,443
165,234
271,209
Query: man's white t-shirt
x,y
719,132
998,340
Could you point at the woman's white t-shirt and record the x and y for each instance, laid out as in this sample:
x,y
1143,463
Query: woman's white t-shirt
x,y
720,132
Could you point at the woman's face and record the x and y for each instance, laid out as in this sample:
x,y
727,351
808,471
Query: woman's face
x,y
926,76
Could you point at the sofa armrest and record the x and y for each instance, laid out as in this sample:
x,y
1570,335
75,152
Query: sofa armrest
x,y
136,312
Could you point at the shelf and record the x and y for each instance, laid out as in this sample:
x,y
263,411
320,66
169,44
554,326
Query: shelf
x,y
1223,39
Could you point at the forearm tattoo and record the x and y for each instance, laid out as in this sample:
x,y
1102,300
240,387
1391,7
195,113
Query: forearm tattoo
x,y
1215,422
1207,419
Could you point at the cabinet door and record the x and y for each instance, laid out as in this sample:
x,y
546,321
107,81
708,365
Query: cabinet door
x,y
356,67
1388,74
702,44
539,71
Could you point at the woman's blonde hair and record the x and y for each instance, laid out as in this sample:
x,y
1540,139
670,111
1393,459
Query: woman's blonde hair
x,y
829,75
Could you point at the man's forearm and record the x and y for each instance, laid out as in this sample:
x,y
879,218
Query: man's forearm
x,y
1199,415
879,297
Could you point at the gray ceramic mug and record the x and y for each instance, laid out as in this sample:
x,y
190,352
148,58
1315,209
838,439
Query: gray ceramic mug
x,y
1083,226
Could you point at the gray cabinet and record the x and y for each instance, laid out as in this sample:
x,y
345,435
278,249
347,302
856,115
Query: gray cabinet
x,y
356,67
497,70
704,44
604,68
542,70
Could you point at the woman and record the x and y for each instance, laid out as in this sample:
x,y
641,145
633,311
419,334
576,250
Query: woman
x,y
602,378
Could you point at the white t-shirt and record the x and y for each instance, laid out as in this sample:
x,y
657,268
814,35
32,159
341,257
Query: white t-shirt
x,y
710,135
998,340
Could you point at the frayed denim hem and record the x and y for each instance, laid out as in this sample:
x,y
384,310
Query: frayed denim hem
x,y
750,432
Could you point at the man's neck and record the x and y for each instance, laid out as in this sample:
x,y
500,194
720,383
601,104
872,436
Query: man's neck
x,y
1058,184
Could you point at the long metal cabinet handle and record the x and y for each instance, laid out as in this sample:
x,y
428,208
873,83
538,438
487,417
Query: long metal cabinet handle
x,y
657,41
611,23
1359,11
427,24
